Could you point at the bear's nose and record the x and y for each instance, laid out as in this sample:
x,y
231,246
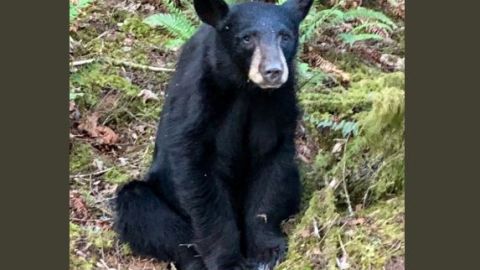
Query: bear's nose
x,y
272,74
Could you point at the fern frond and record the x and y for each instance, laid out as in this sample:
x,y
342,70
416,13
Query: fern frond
x,y
323,19
173,43
172,7
350,38
364,27
178,26
369,14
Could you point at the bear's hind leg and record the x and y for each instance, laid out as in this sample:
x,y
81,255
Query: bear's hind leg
x,y
151,228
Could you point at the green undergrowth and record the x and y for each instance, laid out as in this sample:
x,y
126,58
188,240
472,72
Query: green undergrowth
x,y
81,156
327,239
116,34
361,182
105,89
92,241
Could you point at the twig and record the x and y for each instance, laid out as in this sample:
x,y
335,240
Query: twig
x,y
342,263
139,66
91,174
82,62
316,231
104,264
117,62
344,182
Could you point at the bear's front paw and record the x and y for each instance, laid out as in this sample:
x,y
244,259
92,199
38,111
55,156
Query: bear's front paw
x,y
242,265
228,262
239,265
267,250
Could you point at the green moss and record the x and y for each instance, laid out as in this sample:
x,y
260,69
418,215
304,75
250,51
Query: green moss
x,y
86,193
98,239
75,234
81,263
117,176
135,27
101,239
76,261
373,165
372,168
81,156
371,238
372,244
93,79
312,243
126,250
133,41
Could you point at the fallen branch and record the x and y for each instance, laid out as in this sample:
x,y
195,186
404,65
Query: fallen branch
x,y
117,62
91,174
82,62
139,66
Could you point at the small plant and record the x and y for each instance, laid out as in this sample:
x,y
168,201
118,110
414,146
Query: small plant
x,y
367,24
309,77
76,6
176,22
347,128
75,94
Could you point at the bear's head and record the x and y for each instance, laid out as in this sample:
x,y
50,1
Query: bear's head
x,y
260,38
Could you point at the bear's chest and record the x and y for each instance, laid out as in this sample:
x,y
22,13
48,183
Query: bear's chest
x,y
249,130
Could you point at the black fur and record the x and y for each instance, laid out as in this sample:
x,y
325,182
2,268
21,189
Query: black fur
x,y
223,176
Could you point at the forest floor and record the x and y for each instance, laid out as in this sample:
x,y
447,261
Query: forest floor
x,y
350,140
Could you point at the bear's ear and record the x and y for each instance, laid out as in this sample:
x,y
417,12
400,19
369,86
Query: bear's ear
x,y
300,8
211,11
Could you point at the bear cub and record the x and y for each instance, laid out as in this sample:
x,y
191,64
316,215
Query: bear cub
x,y
223,176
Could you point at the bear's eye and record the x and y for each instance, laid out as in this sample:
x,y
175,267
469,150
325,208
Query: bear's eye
x,y
285,37
247,39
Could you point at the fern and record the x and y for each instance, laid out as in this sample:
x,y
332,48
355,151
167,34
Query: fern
x,y
350,38
180,24
309,77
369,25
368,14
347,128
318,21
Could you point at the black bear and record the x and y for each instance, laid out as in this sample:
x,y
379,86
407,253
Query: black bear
x,y
223,177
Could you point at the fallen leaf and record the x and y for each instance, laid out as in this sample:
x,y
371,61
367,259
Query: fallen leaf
x,y
104,135
98,163
357,221
140,128
89,125
78,205
147,95
71,107
337,148
305,233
